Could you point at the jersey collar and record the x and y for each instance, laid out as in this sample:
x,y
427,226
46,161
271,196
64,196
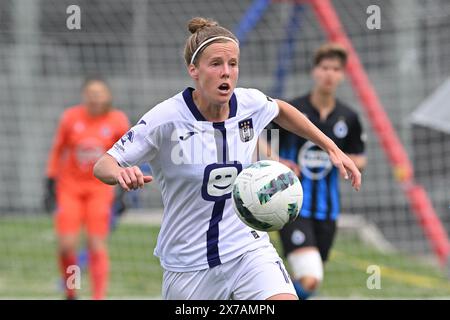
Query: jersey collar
x,y
187,96
316,111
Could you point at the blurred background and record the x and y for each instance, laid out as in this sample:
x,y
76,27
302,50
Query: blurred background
x,y
137,46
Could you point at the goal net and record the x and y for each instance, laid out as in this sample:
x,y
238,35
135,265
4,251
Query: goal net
x,y
138,47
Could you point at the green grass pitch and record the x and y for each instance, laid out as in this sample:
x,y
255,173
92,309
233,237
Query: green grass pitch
x,y
28,267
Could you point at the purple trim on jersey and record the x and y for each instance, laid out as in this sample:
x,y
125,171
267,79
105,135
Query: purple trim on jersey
x,y
221,142
212,235
187,96
286,277
233,106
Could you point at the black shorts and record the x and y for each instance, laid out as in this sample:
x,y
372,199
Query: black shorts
x,y
306,232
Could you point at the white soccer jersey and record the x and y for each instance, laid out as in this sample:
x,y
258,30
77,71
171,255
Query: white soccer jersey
x,y
195,163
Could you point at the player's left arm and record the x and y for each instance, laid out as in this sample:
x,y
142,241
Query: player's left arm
x,y
294,121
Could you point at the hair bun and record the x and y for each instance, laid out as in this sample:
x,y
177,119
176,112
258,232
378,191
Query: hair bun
x,y
198,22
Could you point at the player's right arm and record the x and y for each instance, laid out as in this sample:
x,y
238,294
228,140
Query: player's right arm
x,y
108,171
291,119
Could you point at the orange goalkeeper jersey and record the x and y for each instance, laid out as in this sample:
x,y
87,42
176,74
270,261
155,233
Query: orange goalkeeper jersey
x,y
81,139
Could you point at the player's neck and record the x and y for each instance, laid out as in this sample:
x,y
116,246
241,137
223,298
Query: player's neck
x,y
95,115
211,112
323,102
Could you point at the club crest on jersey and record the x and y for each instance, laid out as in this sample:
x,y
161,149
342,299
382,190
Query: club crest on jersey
x,y
340,129
246,130
127,136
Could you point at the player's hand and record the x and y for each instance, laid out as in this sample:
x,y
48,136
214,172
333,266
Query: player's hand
x,y
132,178
49,195
291,165
346,167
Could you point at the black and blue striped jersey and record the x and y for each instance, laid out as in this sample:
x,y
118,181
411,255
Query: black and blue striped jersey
x,y
320,179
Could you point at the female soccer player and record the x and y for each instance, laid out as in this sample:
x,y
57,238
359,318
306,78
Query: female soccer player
x,y
85,132
197,142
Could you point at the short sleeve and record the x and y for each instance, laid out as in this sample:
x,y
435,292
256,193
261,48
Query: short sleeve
x,y
267,109
355,142
270,111
138,145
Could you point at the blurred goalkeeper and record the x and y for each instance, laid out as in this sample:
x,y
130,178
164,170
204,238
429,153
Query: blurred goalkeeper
x,y
84,133
307,241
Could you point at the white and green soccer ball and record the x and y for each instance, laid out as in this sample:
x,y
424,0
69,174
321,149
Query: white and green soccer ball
x,y
267,195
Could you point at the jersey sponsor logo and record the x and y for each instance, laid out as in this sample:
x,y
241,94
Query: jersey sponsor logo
x,y
187,135
129,136
246,130
188,150
255,234
218,180
314,162
117,146
340,129
87,152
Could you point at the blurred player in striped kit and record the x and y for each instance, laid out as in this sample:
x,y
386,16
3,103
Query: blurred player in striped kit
x,y
307,241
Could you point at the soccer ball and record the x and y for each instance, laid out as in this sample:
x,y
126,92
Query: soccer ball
x,y
267,195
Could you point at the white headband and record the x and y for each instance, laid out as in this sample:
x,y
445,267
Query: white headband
x,y
204,43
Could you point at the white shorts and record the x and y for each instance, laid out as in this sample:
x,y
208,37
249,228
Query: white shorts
x,y
255,275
